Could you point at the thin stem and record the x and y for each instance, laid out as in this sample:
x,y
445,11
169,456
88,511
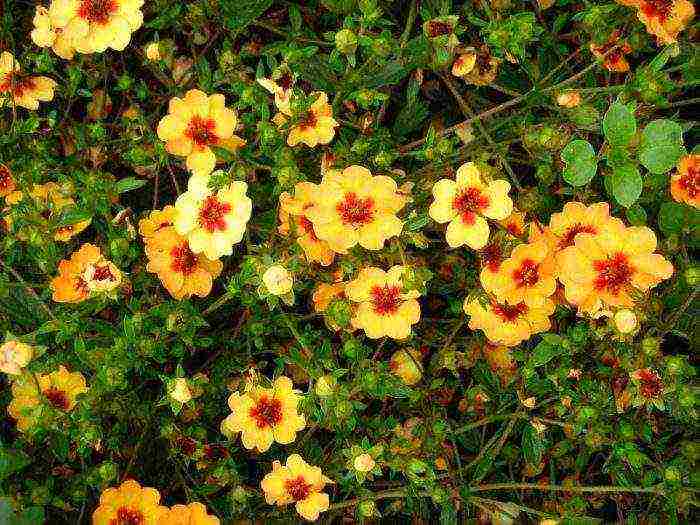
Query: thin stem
x,y
218,303
561,488
409,23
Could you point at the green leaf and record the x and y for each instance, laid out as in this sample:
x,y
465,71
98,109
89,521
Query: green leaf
x,y
129,183
534,445
661,146
581,162
543,353
619,124
672,217
238,14
626,184
72,215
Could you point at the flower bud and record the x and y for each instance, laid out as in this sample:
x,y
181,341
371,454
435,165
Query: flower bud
x,y
278,280
346,41
179,390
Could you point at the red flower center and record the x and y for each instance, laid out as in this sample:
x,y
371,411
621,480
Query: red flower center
x,y
689,182
528,274
354,210
285,81
309,120
492,256
297,488
16,84
385,299
57,398
6,181
102,273
660,9
127,516
307,227
97,11
182,259
614,273
202,131
650,384
570,235
468,202
507,312
211,214
267,412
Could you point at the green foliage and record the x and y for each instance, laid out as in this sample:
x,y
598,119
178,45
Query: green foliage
x,y
581,162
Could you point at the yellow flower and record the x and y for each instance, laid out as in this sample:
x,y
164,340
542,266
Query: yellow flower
x,y
86,272
157,220
7,182
212,222
526,276
363,462
196,123
384,309
484,70
299,483
278,280
464,64
569,99
506,324
281,89
604,269
465,203
46,34
129,503
514,223
685,183
192,514
93,26
182,272
665,19
407,365
179,390
153,52
316,126
295,210
21,90
32,394
263,415
356,208
325,386
325,293
625,321
14,356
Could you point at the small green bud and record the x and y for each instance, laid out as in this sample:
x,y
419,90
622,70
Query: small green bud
x,y
346,41
692,275
367,509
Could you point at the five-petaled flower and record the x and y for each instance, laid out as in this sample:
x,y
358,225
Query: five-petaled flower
x,y
131,504
315,125
664,19
192,514
87,272
21,90
685,183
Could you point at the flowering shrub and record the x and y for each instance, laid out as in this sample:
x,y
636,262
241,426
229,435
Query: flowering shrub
x,y
343,260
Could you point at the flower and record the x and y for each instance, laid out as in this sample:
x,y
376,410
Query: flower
x,y
152,51
129,503
87,26
212,221
278,280
315,126
508,324
299,483
364,462
384,309
263,415
14,356
325,293
613,59
294,210
514,223
625,321
577,218
194,124
7,183
604,269
281,88
182,272
192,514
33,393
491,259
179,390
356,208
85,273
157,220
21,90
484,70
649,384
685,183
665,19
466,202
407,365
569,99
526,276
464,64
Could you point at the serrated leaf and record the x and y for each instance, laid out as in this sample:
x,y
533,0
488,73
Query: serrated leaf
x,y
626,184
661,145
619,124
72,215
672,217
581,162
129,184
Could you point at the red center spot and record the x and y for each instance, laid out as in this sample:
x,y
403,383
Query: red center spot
x,y
127,516
182,259
469,202
6,181
507,312
528,274
97,11
211,214
57,398
285,81
650,384
65,229
307,227
102,273
202,131
297,488
385,299
660,9
689,182
354,210
437,28
16,84
309,120
267,412
570,235
492,256
614,273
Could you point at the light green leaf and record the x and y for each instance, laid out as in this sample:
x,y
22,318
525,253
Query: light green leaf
x,y
619,124
661,146
626,184
581,162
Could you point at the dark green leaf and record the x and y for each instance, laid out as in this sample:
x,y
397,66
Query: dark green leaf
x,y
619,124
661,145
129,183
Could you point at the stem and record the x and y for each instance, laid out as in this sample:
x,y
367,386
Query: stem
x,y
409,23
29,289
573,488
218,303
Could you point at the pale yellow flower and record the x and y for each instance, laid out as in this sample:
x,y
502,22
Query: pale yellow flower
x,y
278,280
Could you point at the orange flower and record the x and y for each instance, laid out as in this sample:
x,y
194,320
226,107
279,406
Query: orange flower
x,y
196,123
577,218
86,272
604,270
315,126
492,257
355,207
325,293
665,19
182,272
526,276
129,503
614,58
293,210
192,514
569,99
464,64
479,68
157,220
685,183
508,324
20,90
514,223
7,183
